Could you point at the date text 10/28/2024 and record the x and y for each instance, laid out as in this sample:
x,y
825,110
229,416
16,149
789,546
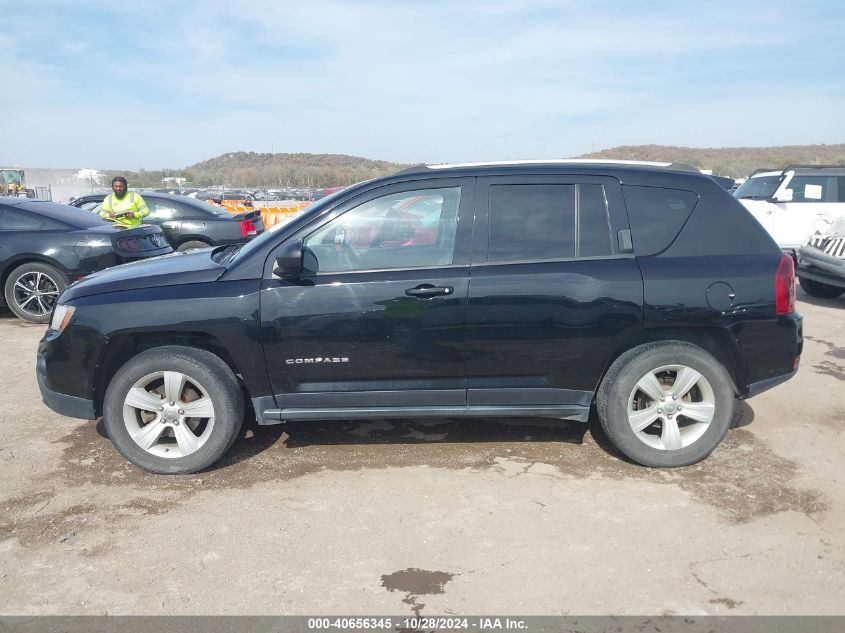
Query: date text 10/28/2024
x,y
428,623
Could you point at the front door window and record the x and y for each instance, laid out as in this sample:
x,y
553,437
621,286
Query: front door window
x,y
414,229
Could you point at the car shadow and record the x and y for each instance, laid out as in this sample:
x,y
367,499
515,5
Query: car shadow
x,y
803,297
255,438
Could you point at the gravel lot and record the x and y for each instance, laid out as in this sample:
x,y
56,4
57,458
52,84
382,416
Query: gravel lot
x,y
431,517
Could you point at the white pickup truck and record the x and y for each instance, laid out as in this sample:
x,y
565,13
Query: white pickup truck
x,y
790,202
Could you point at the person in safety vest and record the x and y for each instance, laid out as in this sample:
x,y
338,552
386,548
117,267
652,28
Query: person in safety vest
x,y
122,207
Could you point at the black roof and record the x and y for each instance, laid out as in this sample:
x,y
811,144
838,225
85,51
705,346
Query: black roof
x,y
649,174
803,169
63,213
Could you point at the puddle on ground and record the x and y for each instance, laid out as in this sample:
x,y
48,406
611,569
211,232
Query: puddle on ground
x,y
743,479
728,602
415,583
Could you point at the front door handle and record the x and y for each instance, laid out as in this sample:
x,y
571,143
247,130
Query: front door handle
x,y
427,291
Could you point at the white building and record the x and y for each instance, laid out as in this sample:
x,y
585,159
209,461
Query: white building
x,y
90,175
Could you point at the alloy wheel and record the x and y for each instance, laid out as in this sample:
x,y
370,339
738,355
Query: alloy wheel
x,y
36,293
168,414
671,407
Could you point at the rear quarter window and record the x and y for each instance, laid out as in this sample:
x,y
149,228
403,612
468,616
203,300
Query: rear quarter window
x,y
656,215
16,221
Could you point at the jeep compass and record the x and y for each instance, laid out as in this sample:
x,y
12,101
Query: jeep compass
x,y
643,292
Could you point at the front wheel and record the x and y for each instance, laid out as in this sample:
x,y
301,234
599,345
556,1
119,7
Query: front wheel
x,y
173,409
819,290
666,404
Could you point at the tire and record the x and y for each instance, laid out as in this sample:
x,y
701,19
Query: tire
x,y
192,245
819,290
174,442
660,442
32,290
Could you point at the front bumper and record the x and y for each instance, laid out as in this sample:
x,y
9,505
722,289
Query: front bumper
x,y
819,266
70,406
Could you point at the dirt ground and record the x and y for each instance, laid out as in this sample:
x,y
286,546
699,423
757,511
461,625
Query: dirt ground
x,y
431,516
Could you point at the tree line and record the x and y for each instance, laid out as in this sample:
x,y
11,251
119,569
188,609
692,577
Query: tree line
x,y
299,170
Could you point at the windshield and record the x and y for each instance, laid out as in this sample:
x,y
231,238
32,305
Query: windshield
x,y
10,176
759,187
268,234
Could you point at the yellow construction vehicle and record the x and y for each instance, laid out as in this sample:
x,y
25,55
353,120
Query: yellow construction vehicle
x,y
13,183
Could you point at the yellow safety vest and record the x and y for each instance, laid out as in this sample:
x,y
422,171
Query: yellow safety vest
x,y
131,202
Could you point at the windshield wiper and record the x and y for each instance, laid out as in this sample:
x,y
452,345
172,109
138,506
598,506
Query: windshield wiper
x,y
753,197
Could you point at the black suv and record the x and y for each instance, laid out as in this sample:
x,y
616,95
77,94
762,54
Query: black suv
x,y
507,290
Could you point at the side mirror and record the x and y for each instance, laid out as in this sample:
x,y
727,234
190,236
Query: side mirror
x,y
289,259
785,195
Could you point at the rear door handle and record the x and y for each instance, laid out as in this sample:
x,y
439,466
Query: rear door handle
x,y
427,291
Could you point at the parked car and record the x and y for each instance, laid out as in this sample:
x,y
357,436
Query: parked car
x,y
789,202
190,223
45,246
821,262
645,292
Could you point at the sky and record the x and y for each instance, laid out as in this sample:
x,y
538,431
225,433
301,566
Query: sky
x,y
164,84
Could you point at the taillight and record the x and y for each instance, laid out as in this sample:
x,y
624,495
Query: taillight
x,y
785,286
248,228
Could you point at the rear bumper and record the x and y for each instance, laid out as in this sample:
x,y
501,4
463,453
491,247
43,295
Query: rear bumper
x,y
776,354
61,403
757,388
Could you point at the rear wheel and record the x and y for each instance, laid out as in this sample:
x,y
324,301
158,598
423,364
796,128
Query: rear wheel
x,y
666,404
173,409
818,289
32,291
192,245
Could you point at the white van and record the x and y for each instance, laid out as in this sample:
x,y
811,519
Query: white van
x,y
789,202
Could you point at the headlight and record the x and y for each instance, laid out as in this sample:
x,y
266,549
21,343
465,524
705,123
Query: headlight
x,y
61,317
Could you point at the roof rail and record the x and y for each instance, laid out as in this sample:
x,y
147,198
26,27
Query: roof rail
x,y
412,170
788,167
683,167
761,170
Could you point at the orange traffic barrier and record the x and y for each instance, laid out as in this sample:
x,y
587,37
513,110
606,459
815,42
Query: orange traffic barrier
x,y
270,216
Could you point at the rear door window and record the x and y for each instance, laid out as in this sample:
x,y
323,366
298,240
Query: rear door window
x,y
547,221
163,211
656,215
813,188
